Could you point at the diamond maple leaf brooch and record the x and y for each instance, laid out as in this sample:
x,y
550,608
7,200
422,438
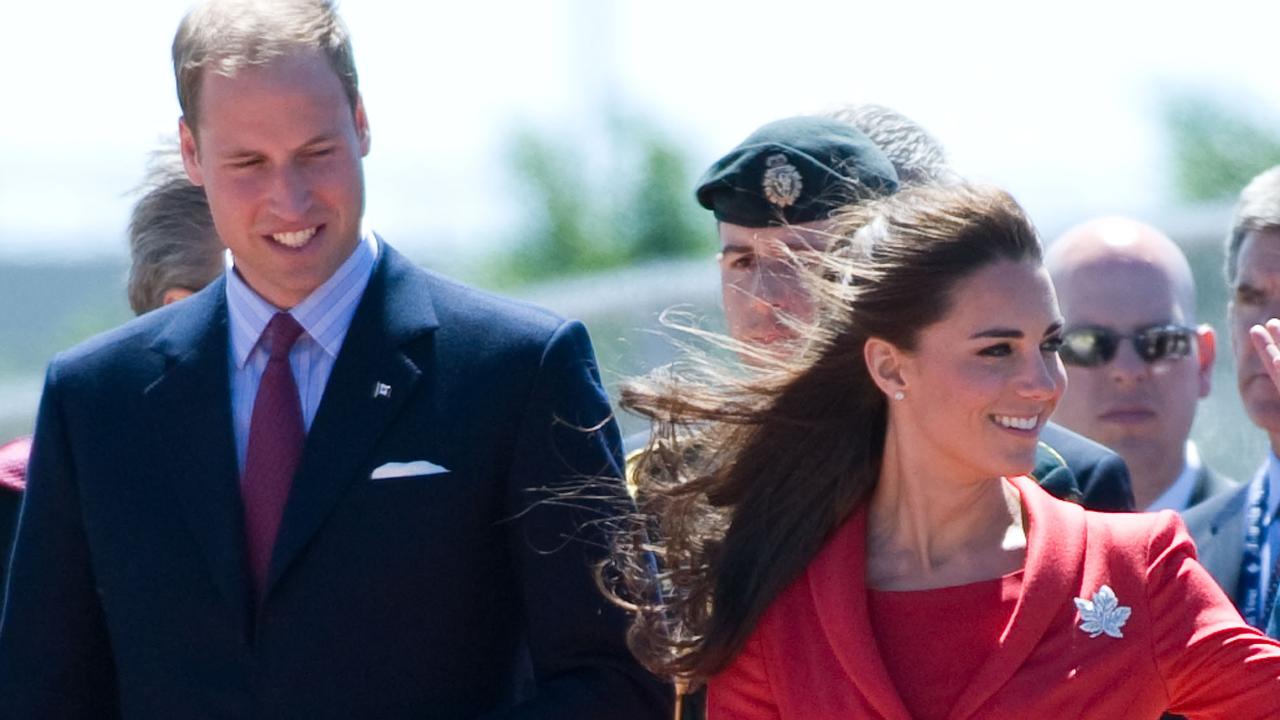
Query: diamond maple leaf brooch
x,y
1102,614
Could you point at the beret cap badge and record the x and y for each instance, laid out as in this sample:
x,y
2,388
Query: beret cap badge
x,y
794,171
782,183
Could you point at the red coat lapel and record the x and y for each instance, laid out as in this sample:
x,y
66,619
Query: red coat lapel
x,y
1055,562
837,580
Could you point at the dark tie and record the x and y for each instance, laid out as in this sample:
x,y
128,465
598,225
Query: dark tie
x,y
276,435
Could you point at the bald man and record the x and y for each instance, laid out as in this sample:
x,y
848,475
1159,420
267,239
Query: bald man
x,y
1137,363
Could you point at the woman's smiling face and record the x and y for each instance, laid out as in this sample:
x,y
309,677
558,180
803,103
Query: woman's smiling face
x,y
982,382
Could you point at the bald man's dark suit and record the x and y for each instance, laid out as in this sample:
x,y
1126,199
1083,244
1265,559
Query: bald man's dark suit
x,y
1099,474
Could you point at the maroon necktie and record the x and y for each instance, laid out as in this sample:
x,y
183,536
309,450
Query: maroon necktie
x,y
276,434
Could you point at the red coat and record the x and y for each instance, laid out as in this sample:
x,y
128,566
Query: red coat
x,y
1184,646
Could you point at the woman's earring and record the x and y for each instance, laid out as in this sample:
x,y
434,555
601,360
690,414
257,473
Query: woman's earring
x,y
899,395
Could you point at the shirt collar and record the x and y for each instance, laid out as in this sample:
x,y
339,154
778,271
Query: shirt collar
x,y
324,315
1178,495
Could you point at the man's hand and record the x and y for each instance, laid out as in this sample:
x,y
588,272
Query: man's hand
x,y
1266,342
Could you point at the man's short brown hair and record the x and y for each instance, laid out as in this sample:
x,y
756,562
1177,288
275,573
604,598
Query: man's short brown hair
x,y
223,36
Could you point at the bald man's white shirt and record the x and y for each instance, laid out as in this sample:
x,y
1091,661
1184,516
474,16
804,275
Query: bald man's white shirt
x,y
1177,497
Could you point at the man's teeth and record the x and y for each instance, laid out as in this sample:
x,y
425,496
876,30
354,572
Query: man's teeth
x,y
294,239
1018,423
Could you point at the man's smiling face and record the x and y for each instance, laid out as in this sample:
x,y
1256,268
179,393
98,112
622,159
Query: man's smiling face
x,y
279,152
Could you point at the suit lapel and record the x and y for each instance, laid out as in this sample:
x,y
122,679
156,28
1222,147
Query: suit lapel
x,y
353,414
837,584
191,408
1222,551
1055,562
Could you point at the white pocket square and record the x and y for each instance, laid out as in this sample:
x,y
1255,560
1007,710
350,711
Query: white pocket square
x,y
406,469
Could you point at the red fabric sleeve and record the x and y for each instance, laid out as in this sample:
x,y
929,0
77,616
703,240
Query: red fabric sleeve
x,y
1213,664
742,690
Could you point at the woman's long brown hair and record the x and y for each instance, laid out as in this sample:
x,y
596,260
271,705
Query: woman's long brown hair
x,y
750,467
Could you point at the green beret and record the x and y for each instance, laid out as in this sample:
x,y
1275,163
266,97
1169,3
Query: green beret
x,y
795,171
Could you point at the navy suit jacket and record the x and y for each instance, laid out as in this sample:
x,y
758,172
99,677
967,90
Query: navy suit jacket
x,y
448,595
1100,474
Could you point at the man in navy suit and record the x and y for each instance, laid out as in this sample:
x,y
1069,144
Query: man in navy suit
x,y
330,485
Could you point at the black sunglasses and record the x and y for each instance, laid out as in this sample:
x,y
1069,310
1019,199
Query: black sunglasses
x,y
1093,346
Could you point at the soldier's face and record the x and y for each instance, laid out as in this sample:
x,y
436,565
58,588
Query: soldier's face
x,y
761,285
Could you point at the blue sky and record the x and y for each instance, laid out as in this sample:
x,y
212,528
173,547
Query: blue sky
x,y
1056,104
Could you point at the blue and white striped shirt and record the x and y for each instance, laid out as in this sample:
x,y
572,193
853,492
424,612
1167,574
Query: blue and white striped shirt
x,y
325,316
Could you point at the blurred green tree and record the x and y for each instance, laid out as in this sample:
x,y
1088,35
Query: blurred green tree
x,y
599,203
661,219
1217,145
565,219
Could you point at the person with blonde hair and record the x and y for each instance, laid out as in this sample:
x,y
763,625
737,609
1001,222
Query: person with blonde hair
x,y
917,156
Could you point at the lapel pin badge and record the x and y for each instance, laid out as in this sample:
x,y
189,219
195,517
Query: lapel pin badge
x,y
381,390
1103,614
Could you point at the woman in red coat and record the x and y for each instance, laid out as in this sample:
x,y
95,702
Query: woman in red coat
x,y
846,533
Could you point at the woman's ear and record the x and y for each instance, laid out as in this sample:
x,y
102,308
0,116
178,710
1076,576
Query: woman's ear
x,y
884,363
